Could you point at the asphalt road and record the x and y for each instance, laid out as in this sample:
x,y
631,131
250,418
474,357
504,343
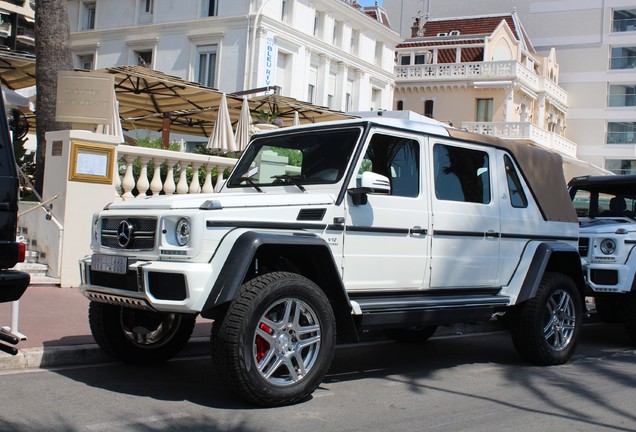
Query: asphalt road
x,y
457,383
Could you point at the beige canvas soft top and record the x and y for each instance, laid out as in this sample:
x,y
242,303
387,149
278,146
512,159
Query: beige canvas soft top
x,y
542,170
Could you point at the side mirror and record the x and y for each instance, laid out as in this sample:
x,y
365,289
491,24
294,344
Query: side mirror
x,y
375,183
369,183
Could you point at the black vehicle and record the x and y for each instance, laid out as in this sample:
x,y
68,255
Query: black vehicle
x,y
12,283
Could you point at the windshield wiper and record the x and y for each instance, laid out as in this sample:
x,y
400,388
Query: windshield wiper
x,y
251,183
291,179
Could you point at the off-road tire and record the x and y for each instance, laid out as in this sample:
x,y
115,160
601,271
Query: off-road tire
x,y
411,335
611,309
630,317
546,329
266,323
137,336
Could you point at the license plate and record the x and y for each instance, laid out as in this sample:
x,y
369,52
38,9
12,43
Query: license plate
x,y
109,264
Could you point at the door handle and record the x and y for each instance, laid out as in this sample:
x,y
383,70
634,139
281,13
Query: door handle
x,y
491,234
417,230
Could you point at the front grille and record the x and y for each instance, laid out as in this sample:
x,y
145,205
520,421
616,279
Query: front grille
x,y
584,246
143,233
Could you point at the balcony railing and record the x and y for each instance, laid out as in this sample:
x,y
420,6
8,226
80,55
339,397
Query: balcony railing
x,y
484,71
524,131
130,185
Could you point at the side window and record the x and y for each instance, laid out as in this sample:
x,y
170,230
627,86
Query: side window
x,y
582,201
461,174
396,158
517,195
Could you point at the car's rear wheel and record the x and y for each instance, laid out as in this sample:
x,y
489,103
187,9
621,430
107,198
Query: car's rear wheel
x,y
546,329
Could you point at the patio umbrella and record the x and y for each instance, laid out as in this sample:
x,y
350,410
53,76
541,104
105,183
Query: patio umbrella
x,y
17,70
222,136
286,108
153,100
296,119
243,126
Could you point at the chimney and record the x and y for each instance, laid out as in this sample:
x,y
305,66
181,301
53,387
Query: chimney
x,y
415,29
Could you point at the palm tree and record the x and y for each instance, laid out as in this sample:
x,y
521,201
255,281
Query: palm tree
x,y
52,54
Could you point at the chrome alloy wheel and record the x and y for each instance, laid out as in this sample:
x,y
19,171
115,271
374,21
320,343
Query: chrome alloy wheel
x,y
560,319
286,342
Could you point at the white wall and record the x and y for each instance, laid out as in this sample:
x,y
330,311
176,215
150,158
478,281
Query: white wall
x,y
177,28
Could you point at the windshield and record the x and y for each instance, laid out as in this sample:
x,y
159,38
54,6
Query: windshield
x,y
298,158
606,201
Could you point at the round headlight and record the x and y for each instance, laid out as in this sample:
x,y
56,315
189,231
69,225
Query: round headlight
x,y
608,246
183,232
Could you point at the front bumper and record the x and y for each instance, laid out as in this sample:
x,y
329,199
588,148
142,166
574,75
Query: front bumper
x,y
608,278
180,287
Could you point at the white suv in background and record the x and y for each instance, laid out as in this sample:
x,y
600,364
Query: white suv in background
x,y
606,206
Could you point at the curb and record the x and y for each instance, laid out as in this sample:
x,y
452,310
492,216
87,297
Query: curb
x,y
76,355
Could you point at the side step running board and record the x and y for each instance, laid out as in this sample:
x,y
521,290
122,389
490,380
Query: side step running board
x,y
385,304
401,312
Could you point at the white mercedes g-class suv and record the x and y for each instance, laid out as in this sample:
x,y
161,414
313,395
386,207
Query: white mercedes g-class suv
x,y
606,207
323,231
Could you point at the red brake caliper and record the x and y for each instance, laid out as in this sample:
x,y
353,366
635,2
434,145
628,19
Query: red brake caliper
x,y
262,346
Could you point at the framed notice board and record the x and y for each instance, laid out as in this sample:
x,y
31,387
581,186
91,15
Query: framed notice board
x,y
91,163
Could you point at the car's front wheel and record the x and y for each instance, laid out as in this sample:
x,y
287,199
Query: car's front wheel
x,y
611,309
630,316
139,336
276,341
546,329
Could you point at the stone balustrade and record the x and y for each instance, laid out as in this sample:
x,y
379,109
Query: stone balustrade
x,y
475,71
524,131
176,179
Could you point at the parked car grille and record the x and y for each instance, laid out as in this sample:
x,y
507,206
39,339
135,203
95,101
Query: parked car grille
x,y
142,235
584,246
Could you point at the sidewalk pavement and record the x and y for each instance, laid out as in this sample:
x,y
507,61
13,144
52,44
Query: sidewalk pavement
x,y
55,323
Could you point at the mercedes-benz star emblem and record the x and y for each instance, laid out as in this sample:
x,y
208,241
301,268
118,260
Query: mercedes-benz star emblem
x,y
124,233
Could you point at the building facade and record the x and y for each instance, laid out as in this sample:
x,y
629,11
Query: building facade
x,y
482,74
595,42
327,52
17,25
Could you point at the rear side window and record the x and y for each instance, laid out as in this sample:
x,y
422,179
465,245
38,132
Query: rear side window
x,y
517,195
461,174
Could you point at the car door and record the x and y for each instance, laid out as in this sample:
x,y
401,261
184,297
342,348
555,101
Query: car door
x,y
465,216
386,245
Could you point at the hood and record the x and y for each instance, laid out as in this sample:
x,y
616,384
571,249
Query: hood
x,y
226,200
606,225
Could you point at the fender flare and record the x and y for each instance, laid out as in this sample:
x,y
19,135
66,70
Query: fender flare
x,y
242,253
550,256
